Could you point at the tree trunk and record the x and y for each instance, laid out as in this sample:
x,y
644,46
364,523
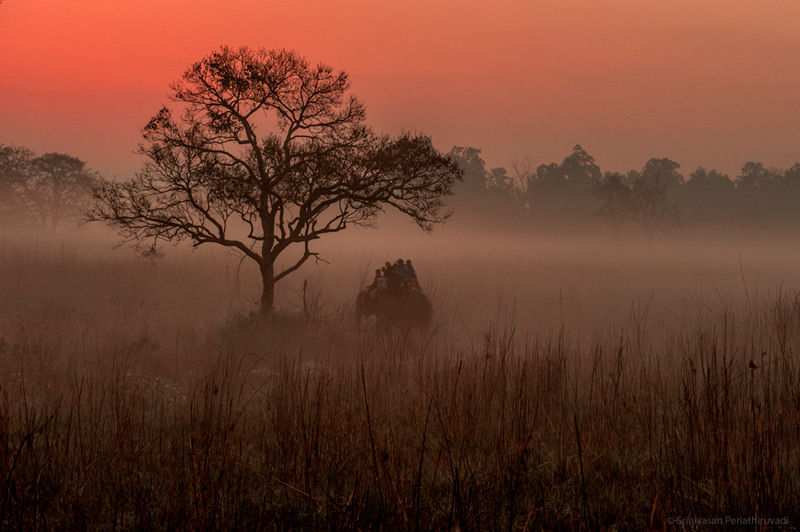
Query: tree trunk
x,y
267,264
268,291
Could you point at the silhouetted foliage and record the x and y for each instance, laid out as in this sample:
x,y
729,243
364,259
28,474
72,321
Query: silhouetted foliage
x,y
44,191
471,192
500,187
755,176
792,176
652,209
667,171
579,168
707,196
575,174
14,164
760,197
491,193
563,195
615,199
550,179
712,184
219,174
563,190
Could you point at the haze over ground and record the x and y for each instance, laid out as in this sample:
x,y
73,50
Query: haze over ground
x,y
711,83
606,351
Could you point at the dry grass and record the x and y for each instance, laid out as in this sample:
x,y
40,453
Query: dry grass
x,y
130,402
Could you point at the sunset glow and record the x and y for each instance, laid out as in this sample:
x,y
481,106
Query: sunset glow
x,y
712,83
522,264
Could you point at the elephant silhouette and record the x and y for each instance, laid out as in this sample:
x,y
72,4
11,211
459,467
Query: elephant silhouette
x,y
410,310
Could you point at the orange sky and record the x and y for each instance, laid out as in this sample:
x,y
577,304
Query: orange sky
x,y
711,82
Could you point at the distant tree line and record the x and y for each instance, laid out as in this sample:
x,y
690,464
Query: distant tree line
x,y
44,191
656,198
51,190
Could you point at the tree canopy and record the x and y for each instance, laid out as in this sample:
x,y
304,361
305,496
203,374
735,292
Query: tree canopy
x,y
43,191
267,142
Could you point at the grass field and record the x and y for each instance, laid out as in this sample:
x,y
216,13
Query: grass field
x,y
568,384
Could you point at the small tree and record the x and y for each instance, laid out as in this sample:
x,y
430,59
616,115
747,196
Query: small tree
x,y
651,207
268,143
524,174
58,190
46,191
615,198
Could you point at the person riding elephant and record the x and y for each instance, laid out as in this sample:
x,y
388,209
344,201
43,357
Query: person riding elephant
x,y
393,278
412,276
411,273
401,269
376,283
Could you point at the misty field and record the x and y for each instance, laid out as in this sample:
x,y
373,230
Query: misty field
x,y
567,384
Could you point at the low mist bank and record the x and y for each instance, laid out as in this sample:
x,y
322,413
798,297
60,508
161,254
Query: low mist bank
x,y
544,281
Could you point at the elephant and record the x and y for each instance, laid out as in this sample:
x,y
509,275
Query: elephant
x,y
411,310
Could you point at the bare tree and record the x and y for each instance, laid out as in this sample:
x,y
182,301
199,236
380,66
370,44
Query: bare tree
x,y
651,207
268,143
524,174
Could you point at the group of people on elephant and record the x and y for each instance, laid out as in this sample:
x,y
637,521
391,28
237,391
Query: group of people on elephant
x,y
395,297
397,278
